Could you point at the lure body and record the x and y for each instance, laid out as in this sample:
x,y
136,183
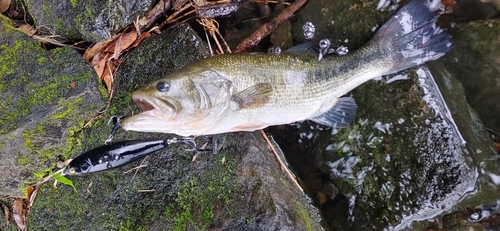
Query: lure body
x,y
112,156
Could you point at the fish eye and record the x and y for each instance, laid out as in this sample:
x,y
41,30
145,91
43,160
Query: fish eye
x,y
163,86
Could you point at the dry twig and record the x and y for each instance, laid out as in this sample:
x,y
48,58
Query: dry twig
x,y
269,27
283,166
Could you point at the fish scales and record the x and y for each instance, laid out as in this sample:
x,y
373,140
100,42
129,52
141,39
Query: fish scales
x,y
250,91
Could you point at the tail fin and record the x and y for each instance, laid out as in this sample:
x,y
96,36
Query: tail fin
x,y
411,37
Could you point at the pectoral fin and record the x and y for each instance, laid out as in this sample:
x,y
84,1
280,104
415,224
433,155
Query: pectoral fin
x,y
253,97
340,115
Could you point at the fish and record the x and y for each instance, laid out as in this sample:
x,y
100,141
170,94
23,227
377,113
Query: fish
x,y
113,155
251,91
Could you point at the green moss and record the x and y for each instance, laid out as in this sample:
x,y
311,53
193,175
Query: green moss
x,y
23,161
197,199
74,3
304,215
102,89
24,191
60,24
41,60
6,24
78,21
8,58
46,8
70,107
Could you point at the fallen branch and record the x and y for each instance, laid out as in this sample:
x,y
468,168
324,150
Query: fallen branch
x,y
283,166
153,15
269,27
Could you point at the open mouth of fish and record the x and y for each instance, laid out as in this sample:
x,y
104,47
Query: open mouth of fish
x,y
154,106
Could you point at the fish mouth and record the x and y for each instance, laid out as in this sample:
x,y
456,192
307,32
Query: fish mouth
x,y
154,106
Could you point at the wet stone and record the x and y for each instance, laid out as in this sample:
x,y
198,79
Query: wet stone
x,y
90,20
475,62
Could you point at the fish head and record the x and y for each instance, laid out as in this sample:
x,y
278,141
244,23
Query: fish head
x,y
183,98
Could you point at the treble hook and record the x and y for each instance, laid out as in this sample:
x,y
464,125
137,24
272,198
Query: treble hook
x,y
116,125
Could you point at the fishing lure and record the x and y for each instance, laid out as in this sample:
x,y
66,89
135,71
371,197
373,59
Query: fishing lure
x,y
113,155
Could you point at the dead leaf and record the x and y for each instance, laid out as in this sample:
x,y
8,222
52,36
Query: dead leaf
x,y
27,29
32,191
122,43
4,5
19,214
99,47
107,75
496,146
139,40
99,65
6,213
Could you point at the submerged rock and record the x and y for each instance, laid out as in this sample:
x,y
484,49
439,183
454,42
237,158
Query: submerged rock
x,y
91,20
46,98
239,188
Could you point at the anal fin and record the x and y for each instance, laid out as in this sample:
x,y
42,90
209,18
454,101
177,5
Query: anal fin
x,y
340,115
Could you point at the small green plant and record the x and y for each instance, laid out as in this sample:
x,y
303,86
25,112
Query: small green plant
x,y
61,178
58,176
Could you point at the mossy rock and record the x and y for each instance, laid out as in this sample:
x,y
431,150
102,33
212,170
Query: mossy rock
x,y
90,20
240,188
47,97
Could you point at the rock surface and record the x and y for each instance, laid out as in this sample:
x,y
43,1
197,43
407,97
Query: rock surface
x,y
90,20
239,188
404,159
475,61
46,98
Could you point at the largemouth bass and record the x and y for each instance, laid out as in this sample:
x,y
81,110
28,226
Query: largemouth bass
x,y
250,91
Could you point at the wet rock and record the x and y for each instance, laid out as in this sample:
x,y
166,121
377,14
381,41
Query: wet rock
x,y
475,61
282,36
47,96
239,188
344,22
81,19
403,160
473,10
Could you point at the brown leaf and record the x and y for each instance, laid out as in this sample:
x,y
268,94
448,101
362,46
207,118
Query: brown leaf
x,y
32,191
122,43
27,29
107,76
139,40
99,47
19,214
99,63
4,5
496,146
6,213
